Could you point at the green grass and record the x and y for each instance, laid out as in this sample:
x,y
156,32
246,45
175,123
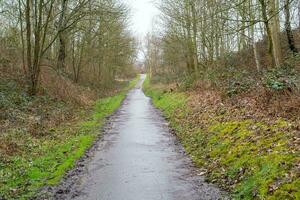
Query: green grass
x,y
169,102
45,160
251,159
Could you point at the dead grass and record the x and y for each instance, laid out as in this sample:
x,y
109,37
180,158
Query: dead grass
x,y
64,89
238,143
260,103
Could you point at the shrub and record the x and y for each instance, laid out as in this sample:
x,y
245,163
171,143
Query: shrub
x,y
282,78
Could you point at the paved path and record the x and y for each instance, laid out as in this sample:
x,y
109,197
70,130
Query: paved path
x,y
139,159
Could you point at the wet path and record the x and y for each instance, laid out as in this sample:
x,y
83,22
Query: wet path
x,y
139,159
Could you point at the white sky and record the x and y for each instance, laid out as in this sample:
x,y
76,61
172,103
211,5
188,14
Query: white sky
x,y
143,12
142,15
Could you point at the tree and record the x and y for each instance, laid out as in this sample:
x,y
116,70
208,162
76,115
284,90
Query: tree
x,y
275,27
85,40
288,28
206,31
37,18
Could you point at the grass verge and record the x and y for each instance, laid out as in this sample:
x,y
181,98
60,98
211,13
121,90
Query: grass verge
x,y
39,161
254,159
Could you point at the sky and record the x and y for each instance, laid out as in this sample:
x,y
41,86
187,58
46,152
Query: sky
x,y
142,14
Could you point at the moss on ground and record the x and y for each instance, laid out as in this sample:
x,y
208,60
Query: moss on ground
x,y
44,160
252,159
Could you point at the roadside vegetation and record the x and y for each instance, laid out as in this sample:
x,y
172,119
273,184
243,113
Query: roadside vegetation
x,y
38,152
226,75
253,157
64,67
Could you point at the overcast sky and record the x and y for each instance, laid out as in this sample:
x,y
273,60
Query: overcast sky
x,y
143,12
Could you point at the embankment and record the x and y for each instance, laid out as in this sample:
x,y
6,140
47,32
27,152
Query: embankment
x,y
252,156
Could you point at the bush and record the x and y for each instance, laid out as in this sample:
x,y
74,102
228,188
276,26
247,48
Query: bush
x,y
187,82
282,78
231,80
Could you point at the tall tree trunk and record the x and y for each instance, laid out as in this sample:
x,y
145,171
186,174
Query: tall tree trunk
x,y
74,65
190,46
28,44
62,37
252,34
255,51
22,37
288,28
267,27
61,53
275,26
194,24
37,46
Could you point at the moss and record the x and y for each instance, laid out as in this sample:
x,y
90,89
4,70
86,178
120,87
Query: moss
x,y
250,158
288,191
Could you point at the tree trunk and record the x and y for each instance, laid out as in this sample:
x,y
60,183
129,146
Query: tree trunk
x,y
194,24
61,53
256,57
288,28
28,44
267,27
252,34
275,26
62,38
22,38
37,47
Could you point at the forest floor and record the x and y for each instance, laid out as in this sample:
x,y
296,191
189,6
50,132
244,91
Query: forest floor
x,y
245,149
41,137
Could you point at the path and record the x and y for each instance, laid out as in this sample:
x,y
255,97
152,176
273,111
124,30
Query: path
x,y
139,159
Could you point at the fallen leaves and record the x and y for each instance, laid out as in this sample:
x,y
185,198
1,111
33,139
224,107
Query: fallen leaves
x,y
241,146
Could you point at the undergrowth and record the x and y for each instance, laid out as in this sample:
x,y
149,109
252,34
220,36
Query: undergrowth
x,y
251,158
28,162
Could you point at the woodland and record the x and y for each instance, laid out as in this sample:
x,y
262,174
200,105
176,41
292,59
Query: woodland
x,y
225,73
61,61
